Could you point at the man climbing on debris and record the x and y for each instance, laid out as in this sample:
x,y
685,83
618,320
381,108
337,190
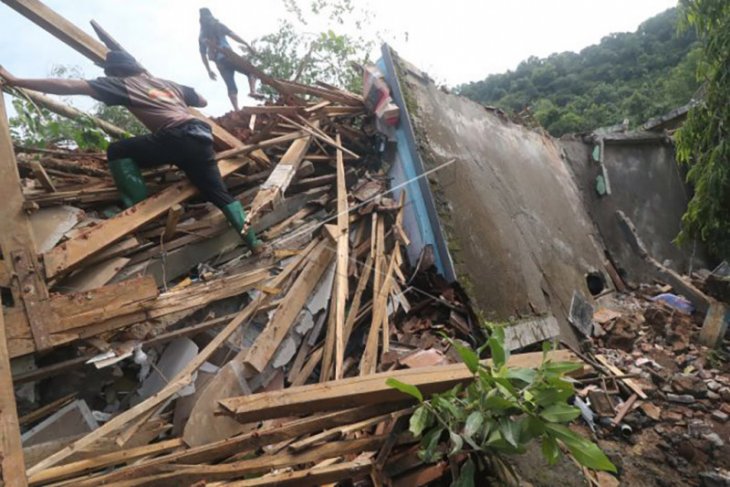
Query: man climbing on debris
x,y
212,39
177,136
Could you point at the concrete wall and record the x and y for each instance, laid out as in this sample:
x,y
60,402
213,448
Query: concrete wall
x,y
647,185
516,226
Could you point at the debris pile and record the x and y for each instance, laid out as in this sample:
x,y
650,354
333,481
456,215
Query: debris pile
x,y
658,394
150,347
170,348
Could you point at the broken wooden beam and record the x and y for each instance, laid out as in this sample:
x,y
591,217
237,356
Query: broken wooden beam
x,y
42,176
76,313
272,190
362,390
12,464
630,383
343,262
55,24
265,345
105,460
326,475
173,216
17,244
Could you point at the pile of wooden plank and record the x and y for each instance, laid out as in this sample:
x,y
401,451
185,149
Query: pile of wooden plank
x,y
165,293
332,298
149,347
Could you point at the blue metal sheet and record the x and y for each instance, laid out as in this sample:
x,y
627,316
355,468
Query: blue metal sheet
x,y
420,219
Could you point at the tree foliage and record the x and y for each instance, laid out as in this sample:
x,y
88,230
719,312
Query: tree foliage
x,y
34,126
632,76
293,52
500,412
703,143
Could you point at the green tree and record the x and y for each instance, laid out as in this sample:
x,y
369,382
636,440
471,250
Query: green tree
x,y
34,126
703,143
603,84
292,52
39,127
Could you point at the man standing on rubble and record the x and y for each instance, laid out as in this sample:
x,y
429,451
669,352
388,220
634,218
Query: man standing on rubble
x,y
177,136
212,39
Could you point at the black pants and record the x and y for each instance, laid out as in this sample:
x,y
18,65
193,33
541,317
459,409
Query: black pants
x,y
188,146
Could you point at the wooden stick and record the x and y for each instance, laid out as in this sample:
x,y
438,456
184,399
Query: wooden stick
x,y
273,142
367,363
341,431
314,476
630,383
318,134
46,410
624,409
328,349
263,463
95,463
357,299
309,367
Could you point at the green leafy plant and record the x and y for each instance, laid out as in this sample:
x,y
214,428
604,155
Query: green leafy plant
x,y
702,143
501,411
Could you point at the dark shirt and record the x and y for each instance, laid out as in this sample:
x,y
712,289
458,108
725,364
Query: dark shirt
x,y
157,103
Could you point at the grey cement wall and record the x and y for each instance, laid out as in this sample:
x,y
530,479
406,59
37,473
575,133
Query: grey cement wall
x,y
646,184
518,232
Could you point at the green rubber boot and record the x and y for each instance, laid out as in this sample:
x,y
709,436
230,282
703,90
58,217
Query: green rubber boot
x,y
236,215
128,180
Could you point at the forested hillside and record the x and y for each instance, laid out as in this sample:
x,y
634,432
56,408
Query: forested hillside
x,y
628,75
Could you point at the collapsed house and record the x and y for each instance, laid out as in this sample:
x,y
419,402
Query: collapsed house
x,y
147,347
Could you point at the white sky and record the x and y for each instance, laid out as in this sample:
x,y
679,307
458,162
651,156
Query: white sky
x,y
455,41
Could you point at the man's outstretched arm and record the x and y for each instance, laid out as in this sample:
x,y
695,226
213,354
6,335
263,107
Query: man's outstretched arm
x,y
52,86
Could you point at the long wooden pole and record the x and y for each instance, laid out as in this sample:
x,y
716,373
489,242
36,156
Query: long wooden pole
x,y
12,464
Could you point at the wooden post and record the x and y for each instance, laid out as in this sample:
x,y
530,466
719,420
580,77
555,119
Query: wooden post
x,y
715,325
173,216
18,248
12,465
343,236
